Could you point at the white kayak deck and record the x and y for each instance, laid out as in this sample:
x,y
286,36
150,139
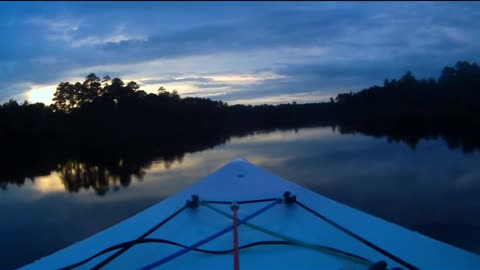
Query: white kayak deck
x,y
240,180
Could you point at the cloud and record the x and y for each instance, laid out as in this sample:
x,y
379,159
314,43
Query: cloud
x,y
173,79
118,35
61,29
304,97
99,40
228,50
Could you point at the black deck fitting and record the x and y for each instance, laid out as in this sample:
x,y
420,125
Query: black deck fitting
x,y
194,202
288,198
234,205
381,265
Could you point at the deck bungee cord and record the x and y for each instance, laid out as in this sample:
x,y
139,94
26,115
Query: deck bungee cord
x,y
210,238
154,228
300,243
359,238
196,202
289,199
206,251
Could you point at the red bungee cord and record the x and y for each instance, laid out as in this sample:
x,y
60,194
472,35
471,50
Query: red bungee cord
x,y
236,257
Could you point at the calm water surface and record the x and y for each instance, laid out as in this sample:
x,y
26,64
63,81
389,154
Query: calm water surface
x,y
430,189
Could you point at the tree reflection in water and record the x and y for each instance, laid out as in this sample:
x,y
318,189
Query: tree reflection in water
x,y
101,169
78,175
109,169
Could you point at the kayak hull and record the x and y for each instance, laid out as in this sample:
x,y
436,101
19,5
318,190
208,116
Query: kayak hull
x,y
240,180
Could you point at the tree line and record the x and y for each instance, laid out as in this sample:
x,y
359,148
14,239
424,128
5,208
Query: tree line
x,y
409,109
449,100
110,111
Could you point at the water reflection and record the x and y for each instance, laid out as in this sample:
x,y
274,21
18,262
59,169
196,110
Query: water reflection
x,y
77,175
466,139
111,170
49,184
98,171
74,176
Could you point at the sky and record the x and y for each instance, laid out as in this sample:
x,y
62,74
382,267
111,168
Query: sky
x,y
238,52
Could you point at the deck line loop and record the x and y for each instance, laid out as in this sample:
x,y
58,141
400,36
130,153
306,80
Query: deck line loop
x,y
207,251
143,236
293,241
208,239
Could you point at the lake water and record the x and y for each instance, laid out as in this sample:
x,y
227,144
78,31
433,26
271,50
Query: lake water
x,y
431,189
